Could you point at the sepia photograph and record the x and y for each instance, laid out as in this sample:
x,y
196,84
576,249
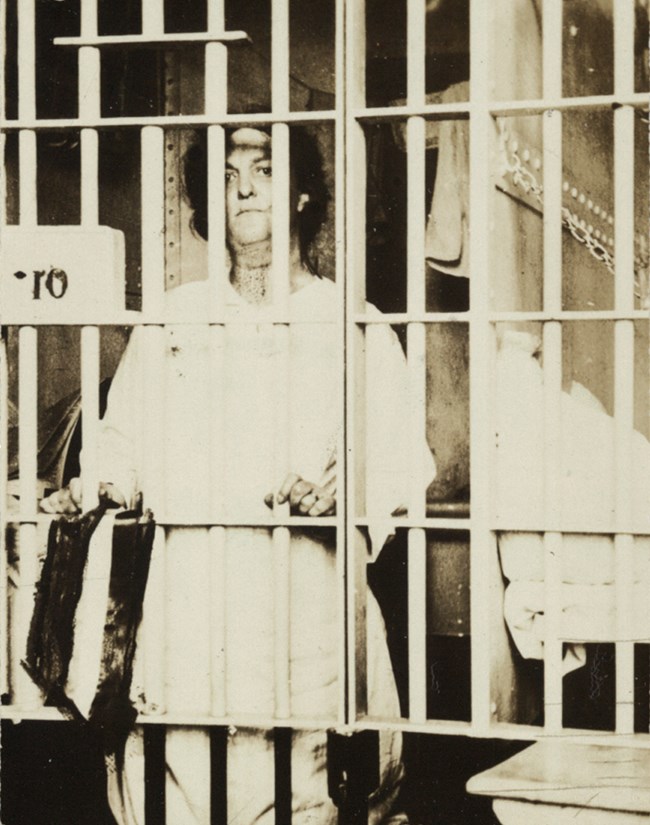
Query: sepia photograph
x,y
324,412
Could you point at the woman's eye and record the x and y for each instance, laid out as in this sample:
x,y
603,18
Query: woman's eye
x,y
266,171
229,175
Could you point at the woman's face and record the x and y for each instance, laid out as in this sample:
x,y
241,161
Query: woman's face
x,y
248,188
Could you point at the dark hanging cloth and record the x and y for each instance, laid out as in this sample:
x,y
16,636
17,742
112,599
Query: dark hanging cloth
x,y
51,632
112,712
50,642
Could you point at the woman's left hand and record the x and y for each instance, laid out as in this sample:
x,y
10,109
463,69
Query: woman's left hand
x,y
305,498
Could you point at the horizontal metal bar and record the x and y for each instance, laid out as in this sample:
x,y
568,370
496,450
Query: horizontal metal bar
x,y
463,110
143,41
502,730
51,714
168,121
396,523
270,522
571,315
498,317
426,523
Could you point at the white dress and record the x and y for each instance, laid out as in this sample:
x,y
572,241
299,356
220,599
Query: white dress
x,y
247,473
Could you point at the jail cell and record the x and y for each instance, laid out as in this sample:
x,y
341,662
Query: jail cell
x,y
531,320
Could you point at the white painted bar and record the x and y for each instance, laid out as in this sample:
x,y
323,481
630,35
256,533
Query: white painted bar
x,y
28,420
416,214
624,26
218,596
552,135
89,83
153,631
158,498
153,18
355,386
623,542
248,119
481,344
624,208
216,105
4,594
153,219
624,572
417,374
27,166
416,19
552,370
340,253
282,624
417,625
280,46
89,177
90,379
281,535
218,538
25,692
217,267
416,347
552,63
281,273
125,41
26,58
281,213
88,18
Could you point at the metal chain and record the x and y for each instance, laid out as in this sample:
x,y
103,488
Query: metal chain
x,y
525,179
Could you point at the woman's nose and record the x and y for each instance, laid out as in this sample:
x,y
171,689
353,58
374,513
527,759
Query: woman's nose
x,y
246,188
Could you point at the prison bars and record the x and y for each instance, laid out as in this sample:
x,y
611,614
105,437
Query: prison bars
x,y
553,312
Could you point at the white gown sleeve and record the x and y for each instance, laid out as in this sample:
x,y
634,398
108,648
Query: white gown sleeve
x,y
388,436
120,428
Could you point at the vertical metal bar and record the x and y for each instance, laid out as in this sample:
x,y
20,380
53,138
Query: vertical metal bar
x,y
624,30
26,59
416,19
4,571
340,244
89,106
624,208
88,18
155,497
355,388
280,46
281,277
480,364
28,421
26,694
623,541
90,418
153,219
27,165
216,100
417,510
552,536
552,136
552,133
153,342
417,630
153,18
552,48
218,595
27,110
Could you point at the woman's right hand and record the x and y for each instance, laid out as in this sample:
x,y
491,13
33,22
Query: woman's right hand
x,y
67,500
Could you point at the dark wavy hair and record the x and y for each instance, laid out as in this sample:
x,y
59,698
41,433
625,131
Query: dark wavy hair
x,y
307,167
